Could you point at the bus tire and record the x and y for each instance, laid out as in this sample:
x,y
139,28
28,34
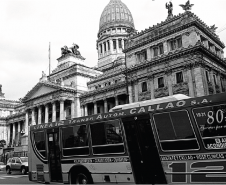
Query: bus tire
x,y
80,177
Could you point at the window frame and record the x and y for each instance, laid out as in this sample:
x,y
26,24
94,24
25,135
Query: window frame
x,y
192,127
35,146
102,154
163,84
178,78
80,147
144,86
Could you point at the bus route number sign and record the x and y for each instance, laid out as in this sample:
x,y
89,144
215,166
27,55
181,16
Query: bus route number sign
x,y
198,172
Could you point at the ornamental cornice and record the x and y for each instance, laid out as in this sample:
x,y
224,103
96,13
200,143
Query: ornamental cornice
x,y
183,27
102,90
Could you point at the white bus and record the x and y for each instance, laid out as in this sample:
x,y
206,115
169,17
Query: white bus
x,y
170,141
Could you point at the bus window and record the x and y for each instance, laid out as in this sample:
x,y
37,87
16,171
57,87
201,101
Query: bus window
x,y
75,140
106,137
211,123
39,139
175,131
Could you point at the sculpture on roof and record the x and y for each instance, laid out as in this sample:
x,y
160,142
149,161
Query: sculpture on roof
x,y
169,6
65,50
74,49
187,6
213,28
0,88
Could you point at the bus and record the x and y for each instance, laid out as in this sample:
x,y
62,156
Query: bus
x,y
173,142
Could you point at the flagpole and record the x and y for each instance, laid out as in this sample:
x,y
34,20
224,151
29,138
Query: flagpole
x,y
49,60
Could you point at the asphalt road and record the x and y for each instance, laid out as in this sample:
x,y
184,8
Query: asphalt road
x,y
14,178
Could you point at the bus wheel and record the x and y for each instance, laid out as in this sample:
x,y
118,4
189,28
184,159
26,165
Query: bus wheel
x,y
80,178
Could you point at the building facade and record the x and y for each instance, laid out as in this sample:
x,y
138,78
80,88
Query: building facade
x,y
179,55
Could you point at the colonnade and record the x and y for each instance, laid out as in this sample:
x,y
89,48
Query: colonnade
x,y
103,106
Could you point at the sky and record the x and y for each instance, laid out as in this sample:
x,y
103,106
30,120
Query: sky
x,y
28,26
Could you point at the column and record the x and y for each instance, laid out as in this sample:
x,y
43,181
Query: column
x,y
26,123
111,46
190,83
82,110
105,106
72,109
46,113
169,80
62,117
86,110
18,131
152,87
39,114
212,81
116,100
33,116
219,81
95,107
8,134
77,109
148,53
14,133
54,111
130,93
136,91
117,48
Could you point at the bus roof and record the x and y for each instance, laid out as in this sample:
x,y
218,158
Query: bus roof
x,y
150,102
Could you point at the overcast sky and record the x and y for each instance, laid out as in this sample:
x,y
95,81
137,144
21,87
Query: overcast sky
x,y
27,27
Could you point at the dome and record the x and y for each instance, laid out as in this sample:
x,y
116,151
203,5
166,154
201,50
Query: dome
x,y
115,13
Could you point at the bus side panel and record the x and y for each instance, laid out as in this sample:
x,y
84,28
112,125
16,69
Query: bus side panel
x,y
104,171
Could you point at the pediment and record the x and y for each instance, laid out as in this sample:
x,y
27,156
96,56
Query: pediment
x,y
40,91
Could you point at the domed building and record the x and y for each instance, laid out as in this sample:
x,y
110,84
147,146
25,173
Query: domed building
x,y
116,19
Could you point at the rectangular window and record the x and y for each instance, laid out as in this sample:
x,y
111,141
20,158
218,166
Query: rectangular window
x,y
114,44
161,51
39,139
160,82
120,43
75,140
211,124
179,42
144,87
107,137
179,77
175,131
155,51
172,45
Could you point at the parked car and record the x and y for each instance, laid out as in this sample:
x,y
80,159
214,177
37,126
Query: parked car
x,y
17,164
2,166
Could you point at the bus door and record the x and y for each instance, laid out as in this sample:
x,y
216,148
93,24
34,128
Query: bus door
x,y
144,157
54,155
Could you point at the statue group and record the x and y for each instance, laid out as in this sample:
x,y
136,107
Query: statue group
x,y
73,49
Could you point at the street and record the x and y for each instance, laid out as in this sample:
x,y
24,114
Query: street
x,y
14,178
